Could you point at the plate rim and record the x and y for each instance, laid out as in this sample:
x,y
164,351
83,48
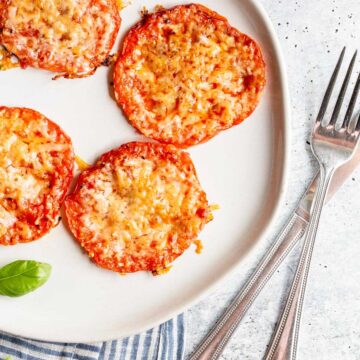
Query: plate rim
x,y
191,301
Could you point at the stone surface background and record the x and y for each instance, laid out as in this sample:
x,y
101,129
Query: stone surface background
x,y
311,34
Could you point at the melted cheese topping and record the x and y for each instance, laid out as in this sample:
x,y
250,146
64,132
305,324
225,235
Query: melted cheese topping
x,y
191,76
69,34
122,4
139,204
81,164
198,246
7,60
214,207
138,208
162,271
27,164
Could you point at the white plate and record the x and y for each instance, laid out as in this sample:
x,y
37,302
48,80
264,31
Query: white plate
x,y
242,169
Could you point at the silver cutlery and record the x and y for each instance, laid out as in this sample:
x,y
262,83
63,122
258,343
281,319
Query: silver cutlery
x,y
333,143
215,342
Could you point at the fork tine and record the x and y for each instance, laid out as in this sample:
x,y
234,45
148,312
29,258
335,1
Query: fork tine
x,y
330,88
341,96
352,103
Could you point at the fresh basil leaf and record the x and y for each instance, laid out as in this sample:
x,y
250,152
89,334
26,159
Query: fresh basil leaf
x,y
23,276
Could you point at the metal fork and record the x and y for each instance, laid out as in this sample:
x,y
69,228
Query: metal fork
x,y
333,144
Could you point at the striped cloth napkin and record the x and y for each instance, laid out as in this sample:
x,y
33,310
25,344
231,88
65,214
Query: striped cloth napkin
x,y
165,342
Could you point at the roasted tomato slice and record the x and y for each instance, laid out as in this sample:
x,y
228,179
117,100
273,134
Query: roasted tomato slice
x,y
70,37
184,74
36,166
138,208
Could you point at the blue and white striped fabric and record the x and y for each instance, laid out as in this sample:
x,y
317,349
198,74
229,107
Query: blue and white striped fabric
x,y
165,342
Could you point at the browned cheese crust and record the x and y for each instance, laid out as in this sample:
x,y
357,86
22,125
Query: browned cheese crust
x,y
36,164
184,74
138,208
66,36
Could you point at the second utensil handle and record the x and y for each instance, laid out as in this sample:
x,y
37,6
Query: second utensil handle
x,y
283,345
212,346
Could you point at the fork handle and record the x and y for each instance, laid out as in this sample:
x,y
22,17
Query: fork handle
x,y
214,343
283,345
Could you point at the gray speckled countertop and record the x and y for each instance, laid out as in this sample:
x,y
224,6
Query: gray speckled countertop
x,y
311,34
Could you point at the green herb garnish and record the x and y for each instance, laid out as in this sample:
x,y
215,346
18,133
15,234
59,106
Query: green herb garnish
x,y
23,276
